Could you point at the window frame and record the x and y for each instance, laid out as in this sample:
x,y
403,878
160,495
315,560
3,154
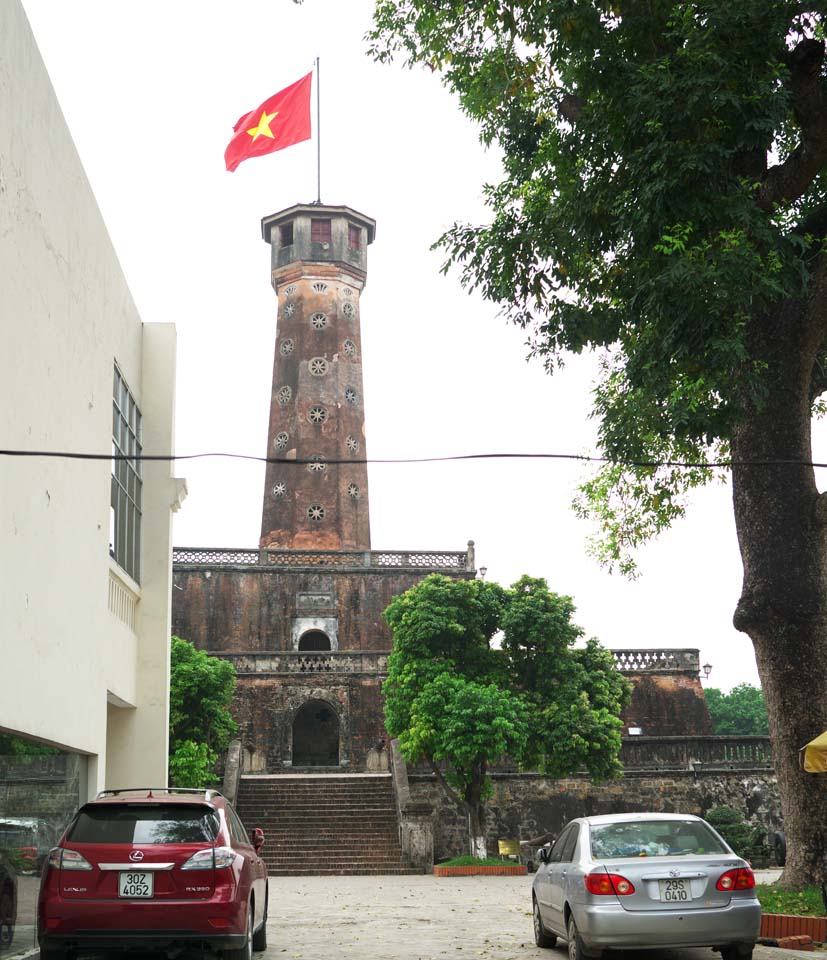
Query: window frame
x,y
126,481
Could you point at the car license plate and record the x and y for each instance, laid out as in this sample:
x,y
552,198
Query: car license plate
x,y
136,886
675,891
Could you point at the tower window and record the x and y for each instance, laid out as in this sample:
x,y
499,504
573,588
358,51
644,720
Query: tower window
x,y
354,237
286,234
320,231
127,482
315,512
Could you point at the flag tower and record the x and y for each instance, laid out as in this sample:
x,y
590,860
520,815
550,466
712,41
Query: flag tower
x,y
317,411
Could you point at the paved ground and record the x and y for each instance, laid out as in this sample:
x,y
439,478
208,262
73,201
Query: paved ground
x,y
401,918
419,918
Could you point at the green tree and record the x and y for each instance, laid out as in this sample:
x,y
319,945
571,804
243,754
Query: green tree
x,y
664,203
459,702
200,722
742,711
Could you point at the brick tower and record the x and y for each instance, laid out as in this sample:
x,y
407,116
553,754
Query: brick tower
x,y
300,615
317,413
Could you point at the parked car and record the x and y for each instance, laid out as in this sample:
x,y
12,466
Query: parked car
x,y
637,881
154,869
8,900
30,837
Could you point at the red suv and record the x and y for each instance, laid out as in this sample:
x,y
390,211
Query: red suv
x,y
154,868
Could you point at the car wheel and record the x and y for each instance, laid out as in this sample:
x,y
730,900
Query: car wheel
x,y
241,953
53,953
541,938
260,935
737,951
577,951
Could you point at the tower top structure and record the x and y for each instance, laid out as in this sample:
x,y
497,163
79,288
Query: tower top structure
x,y
318,270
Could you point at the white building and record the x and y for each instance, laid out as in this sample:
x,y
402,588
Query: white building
x,y
85,545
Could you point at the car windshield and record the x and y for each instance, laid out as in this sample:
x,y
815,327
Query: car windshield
x,y
653,838
145,823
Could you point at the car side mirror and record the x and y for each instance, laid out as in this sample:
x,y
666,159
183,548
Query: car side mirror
x,y
258,839
542,854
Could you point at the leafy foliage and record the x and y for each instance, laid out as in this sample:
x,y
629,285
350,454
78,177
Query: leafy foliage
x,y
636,215
17,747
748,840
201,691
458,701
742,711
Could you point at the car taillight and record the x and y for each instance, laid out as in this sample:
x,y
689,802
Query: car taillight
x,y
213,857
742,878
605,884
67,860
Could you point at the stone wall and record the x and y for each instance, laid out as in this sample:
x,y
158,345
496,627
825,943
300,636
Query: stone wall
x,y
236,610
265,709
528,806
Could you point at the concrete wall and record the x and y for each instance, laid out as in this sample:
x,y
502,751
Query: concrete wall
x,y
84,648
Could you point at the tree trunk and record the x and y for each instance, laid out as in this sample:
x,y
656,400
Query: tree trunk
x,y
782,533
476,809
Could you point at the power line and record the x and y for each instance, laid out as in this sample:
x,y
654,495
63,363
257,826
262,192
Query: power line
x,y
305,461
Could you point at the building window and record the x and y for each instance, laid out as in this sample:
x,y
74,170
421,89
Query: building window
x,y
286,234
125,506
354,237
320,231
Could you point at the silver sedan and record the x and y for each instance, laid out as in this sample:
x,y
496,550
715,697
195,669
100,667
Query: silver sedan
x,y
636,881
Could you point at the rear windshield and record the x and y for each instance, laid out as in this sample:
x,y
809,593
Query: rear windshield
x,y
144,823
12,834
653,838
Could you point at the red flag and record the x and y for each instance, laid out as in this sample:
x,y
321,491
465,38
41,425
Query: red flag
x,y
279,122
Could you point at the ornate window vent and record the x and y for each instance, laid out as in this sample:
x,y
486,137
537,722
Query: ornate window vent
x,y
317,465
633,661
318,321
288,310
279,490
349,348
285,395
352,445
315,512
353,491
314,663
346,291
319,287
281,441
289,291
350,396
432,560
318,366
286,347
245,557
317,414
348,310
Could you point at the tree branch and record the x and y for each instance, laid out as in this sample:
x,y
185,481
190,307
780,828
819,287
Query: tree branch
x,y
446,786
788,180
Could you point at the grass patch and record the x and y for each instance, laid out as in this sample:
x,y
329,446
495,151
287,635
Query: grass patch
x,y
801,903
475,862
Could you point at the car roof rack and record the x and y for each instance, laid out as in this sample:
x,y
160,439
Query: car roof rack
x,y
208,794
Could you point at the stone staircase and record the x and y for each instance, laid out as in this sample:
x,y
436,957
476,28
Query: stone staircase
x,y
324,824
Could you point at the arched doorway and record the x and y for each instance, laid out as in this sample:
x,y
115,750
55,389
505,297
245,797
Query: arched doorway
x,y
314,640
316,735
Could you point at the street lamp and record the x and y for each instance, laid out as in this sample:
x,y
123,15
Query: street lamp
x,y
483,571
707,669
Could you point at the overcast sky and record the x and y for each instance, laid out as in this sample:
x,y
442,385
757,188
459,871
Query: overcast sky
x,y
150,92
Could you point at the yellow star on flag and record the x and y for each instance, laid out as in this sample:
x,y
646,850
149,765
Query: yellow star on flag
x,y
263,128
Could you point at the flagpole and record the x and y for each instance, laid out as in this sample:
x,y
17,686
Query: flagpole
x,y
318,138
